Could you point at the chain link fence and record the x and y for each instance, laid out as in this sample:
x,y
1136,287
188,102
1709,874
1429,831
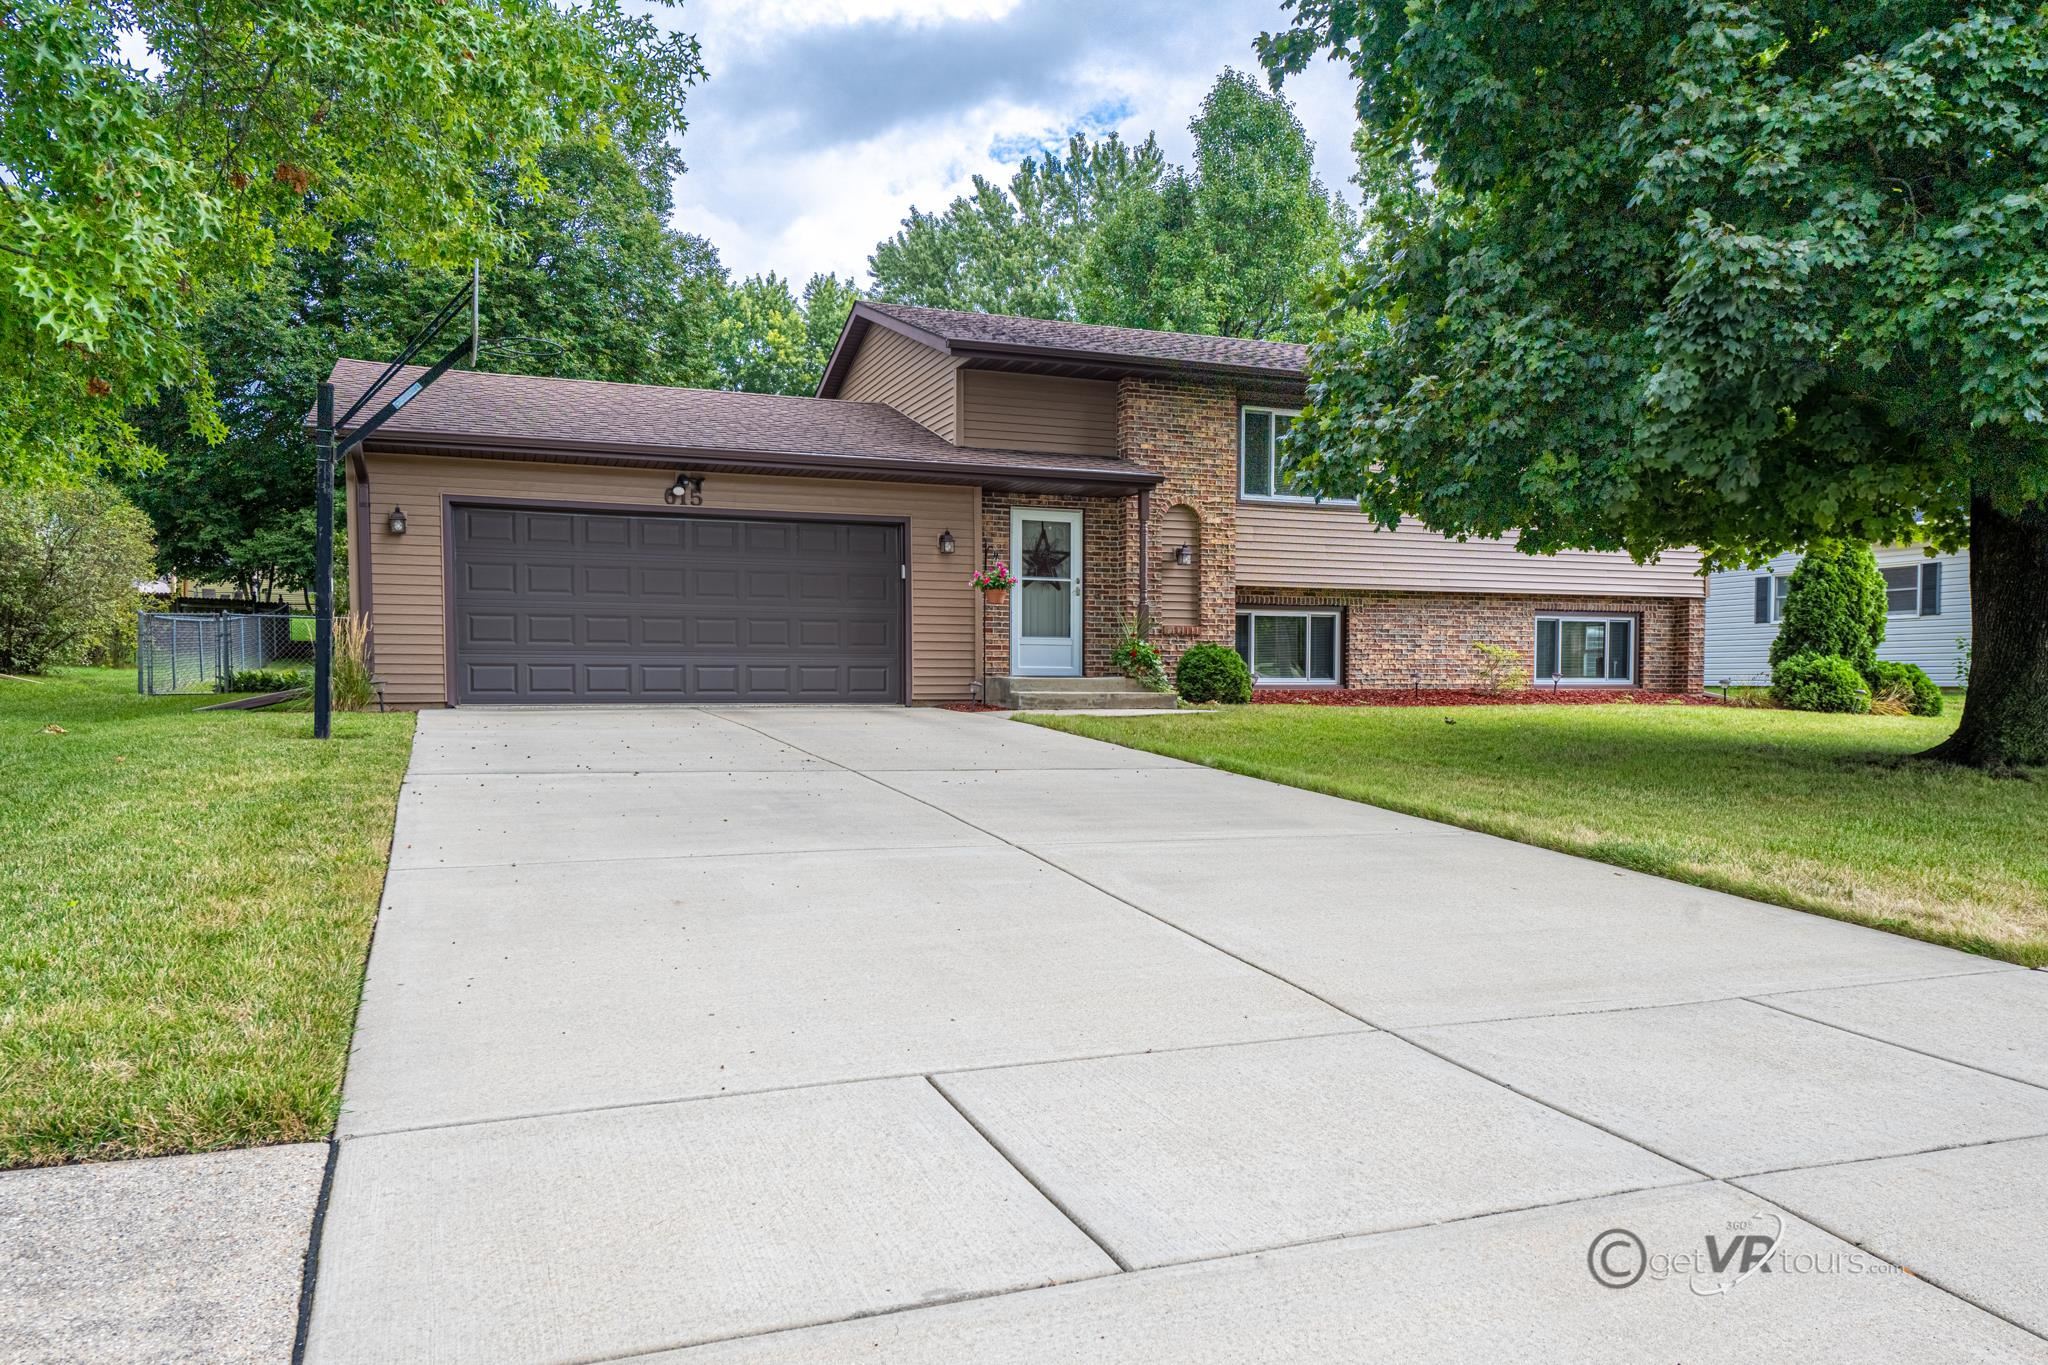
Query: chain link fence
x,y
201,651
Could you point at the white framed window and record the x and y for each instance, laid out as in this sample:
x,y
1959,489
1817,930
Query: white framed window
x,y
1283,648
1771,591
1586,649
1913,589
1262,454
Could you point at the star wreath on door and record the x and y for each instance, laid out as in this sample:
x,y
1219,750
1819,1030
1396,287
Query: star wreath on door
x,y
1044,559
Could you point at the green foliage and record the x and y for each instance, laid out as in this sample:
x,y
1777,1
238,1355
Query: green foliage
x,y
1718,275
1137,658
1502,668
765,340
1836,605
266,680
1016,250
1232,245
1905,686
132,200
1213,673
1819,682
69,562
592,284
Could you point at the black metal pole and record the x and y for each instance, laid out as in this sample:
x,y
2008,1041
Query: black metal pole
x,y
323,564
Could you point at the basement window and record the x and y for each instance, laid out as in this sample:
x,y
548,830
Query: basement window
x,y
1289,648
1592,650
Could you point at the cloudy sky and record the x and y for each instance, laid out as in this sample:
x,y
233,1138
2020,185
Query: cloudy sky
x,y
825,120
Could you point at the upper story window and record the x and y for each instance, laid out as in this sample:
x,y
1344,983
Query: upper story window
x,y
1771,591
1262,454
1913,589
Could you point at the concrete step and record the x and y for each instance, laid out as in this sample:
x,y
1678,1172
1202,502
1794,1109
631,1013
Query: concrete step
x,y
1064,694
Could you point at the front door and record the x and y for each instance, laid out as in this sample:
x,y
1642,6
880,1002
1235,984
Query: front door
x,y
1045,629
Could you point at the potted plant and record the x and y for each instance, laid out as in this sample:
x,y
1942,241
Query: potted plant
x,y
994,583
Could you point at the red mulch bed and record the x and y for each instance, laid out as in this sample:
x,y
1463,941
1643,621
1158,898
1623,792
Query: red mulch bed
x,y
967,706
1453,696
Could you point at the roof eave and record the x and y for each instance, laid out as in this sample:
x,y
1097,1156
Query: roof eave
x,y
810,464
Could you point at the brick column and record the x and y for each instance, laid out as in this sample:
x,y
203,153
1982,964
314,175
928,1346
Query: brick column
x,y
1186,430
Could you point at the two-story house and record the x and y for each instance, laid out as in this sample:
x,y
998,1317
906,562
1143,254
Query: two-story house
x,y
527,539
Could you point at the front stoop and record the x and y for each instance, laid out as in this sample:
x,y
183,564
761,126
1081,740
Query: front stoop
x,y
1076,694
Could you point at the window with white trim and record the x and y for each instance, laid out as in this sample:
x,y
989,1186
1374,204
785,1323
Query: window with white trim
x,y
1289,647
1771,592
1913,589
1586,649
1262,454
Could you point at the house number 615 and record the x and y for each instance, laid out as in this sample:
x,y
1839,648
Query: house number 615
x,y
686,491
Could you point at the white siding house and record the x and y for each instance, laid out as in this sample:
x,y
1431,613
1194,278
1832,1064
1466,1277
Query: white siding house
x,y
1930,610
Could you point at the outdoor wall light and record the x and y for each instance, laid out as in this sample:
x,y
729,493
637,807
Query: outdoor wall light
x,y
1184,555
686,491
946,543
395,523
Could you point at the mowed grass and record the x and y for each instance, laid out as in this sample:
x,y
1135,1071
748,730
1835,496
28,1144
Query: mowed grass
x,y
185,906
1812,811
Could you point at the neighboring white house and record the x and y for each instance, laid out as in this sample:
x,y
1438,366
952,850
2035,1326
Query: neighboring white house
x,y
1929,602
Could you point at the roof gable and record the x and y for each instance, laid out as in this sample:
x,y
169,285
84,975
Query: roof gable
x,y
1062,347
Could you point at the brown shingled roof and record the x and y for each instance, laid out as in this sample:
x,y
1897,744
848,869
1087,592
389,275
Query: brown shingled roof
x,y
583,420
995,338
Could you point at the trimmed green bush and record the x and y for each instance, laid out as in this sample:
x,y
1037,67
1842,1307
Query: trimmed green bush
x,y
1213,673
1819,682
267,680
1835,606
1905,685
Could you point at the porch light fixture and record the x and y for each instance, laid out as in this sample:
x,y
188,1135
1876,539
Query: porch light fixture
x,y
946,543
1184,555
687,490
395,523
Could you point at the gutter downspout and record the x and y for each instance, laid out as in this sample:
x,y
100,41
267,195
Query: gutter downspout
x,y
1144,554
359,544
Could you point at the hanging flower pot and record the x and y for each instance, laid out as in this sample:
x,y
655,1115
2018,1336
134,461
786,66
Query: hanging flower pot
x,y
994,584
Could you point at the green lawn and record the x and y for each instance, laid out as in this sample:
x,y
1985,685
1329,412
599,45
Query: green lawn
x,y
1806,810
185,905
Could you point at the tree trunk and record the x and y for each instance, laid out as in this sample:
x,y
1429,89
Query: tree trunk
x,y
2005,717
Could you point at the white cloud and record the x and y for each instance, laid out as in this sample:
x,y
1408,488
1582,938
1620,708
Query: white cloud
x,y
823,123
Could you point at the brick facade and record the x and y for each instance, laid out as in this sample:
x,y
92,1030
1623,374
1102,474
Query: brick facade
x,y
1186,429
1108,574
1417,639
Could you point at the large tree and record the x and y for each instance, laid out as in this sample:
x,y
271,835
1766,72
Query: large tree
x,y
1108,233
1233,245
134,198
592,284
1016,249
1731,275
768,340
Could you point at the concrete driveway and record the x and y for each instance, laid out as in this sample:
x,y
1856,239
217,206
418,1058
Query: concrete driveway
x,y
776,1035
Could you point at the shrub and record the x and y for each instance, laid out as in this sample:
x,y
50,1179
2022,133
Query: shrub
x,y
1903,687
69,562
266,680
1819,682
354,688
1501,668
1213,673
1835,606
1136,657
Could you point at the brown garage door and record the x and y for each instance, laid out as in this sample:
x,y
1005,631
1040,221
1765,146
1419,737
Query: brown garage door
x,y
589,606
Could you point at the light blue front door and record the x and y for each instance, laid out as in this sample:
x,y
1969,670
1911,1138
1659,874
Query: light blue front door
x,y
1045,627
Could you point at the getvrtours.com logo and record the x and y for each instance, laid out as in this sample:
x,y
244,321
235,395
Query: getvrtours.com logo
x,y
1618,1258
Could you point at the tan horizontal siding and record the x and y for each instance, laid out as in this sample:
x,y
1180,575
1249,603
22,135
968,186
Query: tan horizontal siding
x,y
409,610
1037,412
910,377
1296,546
